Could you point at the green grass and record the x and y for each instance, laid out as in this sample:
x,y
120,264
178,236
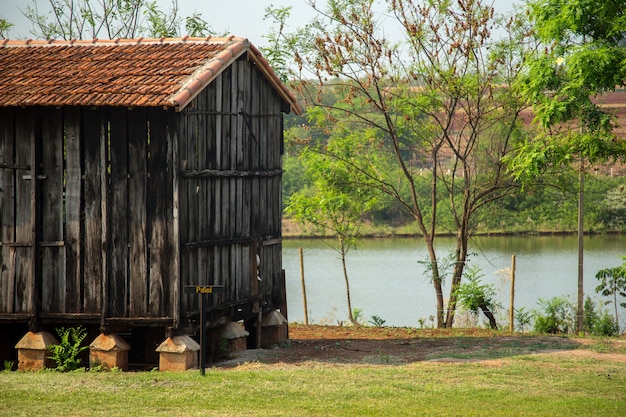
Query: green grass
x,y
484,349
531,385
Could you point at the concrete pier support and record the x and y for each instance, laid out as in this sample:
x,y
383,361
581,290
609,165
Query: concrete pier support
x,y
178,353
109,351
33,351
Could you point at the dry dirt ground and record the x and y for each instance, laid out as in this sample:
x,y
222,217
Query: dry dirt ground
x,y
394,346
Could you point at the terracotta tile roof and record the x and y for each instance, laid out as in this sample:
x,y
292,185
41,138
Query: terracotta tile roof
x,y
122,72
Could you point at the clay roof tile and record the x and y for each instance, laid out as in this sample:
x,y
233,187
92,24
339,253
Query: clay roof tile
x,y
164,72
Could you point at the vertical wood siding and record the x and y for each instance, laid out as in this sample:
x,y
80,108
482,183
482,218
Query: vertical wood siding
x,y
230,154
99,218
128,205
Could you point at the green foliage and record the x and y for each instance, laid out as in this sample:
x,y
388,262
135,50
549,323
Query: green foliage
x,y
85,19
472,294
580,54
549,205
598,323
5,27
556,315
66,353
605,325
357,314
196,26
377,321
424,123
613,283
615,207
160,25
8,365
444,265
523,317
590,315
277,55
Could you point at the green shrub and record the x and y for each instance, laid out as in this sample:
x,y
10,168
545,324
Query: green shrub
x,y
598,323
605,325
377,321
556,316
590,315
66,353
474,296
523,318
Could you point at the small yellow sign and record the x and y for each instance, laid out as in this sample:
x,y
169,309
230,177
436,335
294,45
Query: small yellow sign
x,y
203,289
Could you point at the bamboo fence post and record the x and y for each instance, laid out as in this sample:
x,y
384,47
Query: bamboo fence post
x,y
512,310
306,310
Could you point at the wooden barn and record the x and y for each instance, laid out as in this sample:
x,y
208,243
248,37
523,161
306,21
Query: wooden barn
x,y
130,169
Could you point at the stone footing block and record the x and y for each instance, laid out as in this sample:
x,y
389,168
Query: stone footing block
x,y
178,353
33,351
109,351
229,338
273,329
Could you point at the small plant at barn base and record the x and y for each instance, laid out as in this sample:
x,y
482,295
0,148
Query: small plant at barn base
x,y
8,365
66,353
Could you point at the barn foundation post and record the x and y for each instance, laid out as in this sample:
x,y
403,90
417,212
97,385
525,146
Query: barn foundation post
x,y
178,353
33,351
228,339
273,329
109,351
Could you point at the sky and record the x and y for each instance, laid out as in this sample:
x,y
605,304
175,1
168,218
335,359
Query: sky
x,y
243,18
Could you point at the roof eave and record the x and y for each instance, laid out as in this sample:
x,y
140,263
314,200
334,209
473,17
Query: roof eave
x,y
205,75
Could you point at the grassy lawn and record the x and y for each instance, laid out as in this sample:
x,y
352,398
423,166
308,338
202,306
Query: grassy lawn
x,y
526,385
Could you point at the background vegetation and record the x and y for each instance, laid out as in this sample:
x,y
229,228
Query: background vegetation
x,y
548,206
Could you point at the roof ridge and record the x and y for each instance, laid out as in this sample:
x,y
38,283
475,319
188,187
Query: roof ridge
x,y
118,41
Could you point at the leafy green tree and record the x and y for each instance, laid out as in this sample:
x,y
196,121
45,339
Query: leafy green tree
x,y
431,110
85,19
332,204
613,283
579,55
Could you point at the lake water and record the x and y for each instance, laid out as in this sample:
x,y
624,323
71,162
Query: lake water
x,y
386,279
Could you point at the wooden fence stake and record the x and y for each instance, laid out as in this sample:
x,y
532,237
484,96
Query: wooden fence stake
x,y
306,310
512,310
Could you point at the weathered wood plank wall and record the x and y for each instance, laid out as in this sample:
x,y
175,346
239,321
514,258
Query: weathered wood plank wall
x,y
230,154
128,205
100,217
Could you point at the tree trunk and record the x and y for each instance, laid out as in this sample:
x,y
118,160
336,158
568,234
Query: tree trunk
x,y
461,258
342,248
492,319
436,282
